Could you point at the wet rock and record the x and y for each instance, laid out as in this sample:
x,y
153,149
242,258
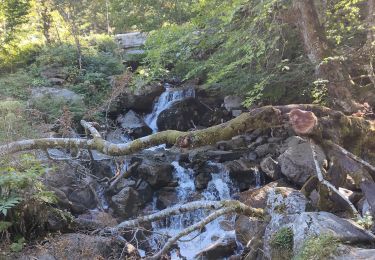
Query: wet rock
x,y
271,168
126,203
310,224
118,136
145,191
201,180
157,174
76,246
297,163
102,168
241,173
233,103
134,125
220,249
166,198
141,100
182,115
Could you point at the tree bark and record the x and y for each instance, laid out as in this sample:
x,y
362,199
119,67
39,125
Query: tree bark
x,y
353,133
329,70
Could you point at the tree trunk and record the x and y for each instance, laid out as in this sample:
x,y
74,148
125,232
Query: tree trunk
x,y
329,70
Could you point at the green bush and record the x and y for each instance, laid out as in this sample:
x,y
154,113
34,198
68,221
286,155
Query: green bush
x,y
13,123
323,246
52,107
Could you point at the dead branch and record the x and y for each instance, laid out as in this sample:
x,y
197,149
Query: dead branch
x,y
123,174
328,184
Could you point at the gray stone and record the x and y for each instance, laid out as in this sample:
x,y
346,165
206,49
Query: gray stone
x,y
233,103
297,163
134,125
271,168
126,203
309,224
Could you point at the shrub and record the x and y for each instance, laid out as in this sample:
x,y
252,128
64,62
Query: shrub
x,y
53,107
13,123
323,246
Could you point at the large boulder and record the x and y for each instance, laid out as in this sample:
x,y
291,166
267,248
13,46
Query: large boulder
x,y
297,163
311,224
182,115
140,100
55,75
133,124
55,93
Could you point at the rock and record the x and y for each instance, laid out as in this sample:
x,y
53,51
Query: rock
x,y
140,101
55,75
309,224
157,174
233,103
83,196
257,198
182,115
297,163
76,246
166,198
265,149
220,249
241,173
118,136
201,180
284,205
145,191
248,228
134,125
271,168
102,168
64,94
126,203
95,220
349,253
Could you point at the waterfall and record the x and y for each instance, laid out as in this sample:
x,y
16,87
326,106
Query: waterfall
x,y
168,97
258,180
219,188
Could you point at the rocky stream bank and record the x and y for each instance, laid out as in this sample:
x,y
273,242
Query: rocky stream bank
x,y
271,169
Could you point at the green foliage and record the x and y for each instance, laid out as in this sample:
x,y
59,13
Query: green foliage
x,y
21,182
366,222
53,107
283,239
13,124
236,46
316,248
18,245
14,14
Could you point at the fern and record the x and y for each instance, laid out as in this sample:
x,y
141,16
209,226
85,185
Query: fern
x,y
8,203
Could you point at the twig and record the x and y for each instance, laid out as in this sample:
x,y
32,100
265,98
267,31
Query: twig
x,y
123,174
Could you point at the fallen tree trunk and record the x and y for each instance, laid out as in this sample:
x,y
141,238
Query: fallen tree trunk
x,y
355,134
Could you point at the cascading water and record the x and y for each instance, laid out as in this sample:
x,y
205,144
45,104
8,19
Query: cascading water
x,y
219,188
165,100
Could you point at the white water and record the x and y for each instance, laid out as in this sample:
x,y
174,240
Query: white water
x,y
165,100
219,188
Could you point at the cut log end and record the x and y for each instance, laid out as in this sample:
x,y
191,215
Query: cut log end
x,y
303,122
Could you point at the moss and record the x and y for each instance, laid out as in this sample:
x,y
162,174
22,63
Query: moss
x,y
282,244
316,248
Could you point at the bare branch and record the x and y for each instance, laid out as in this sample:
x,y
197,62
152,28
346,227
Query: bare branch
x,y
327,183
